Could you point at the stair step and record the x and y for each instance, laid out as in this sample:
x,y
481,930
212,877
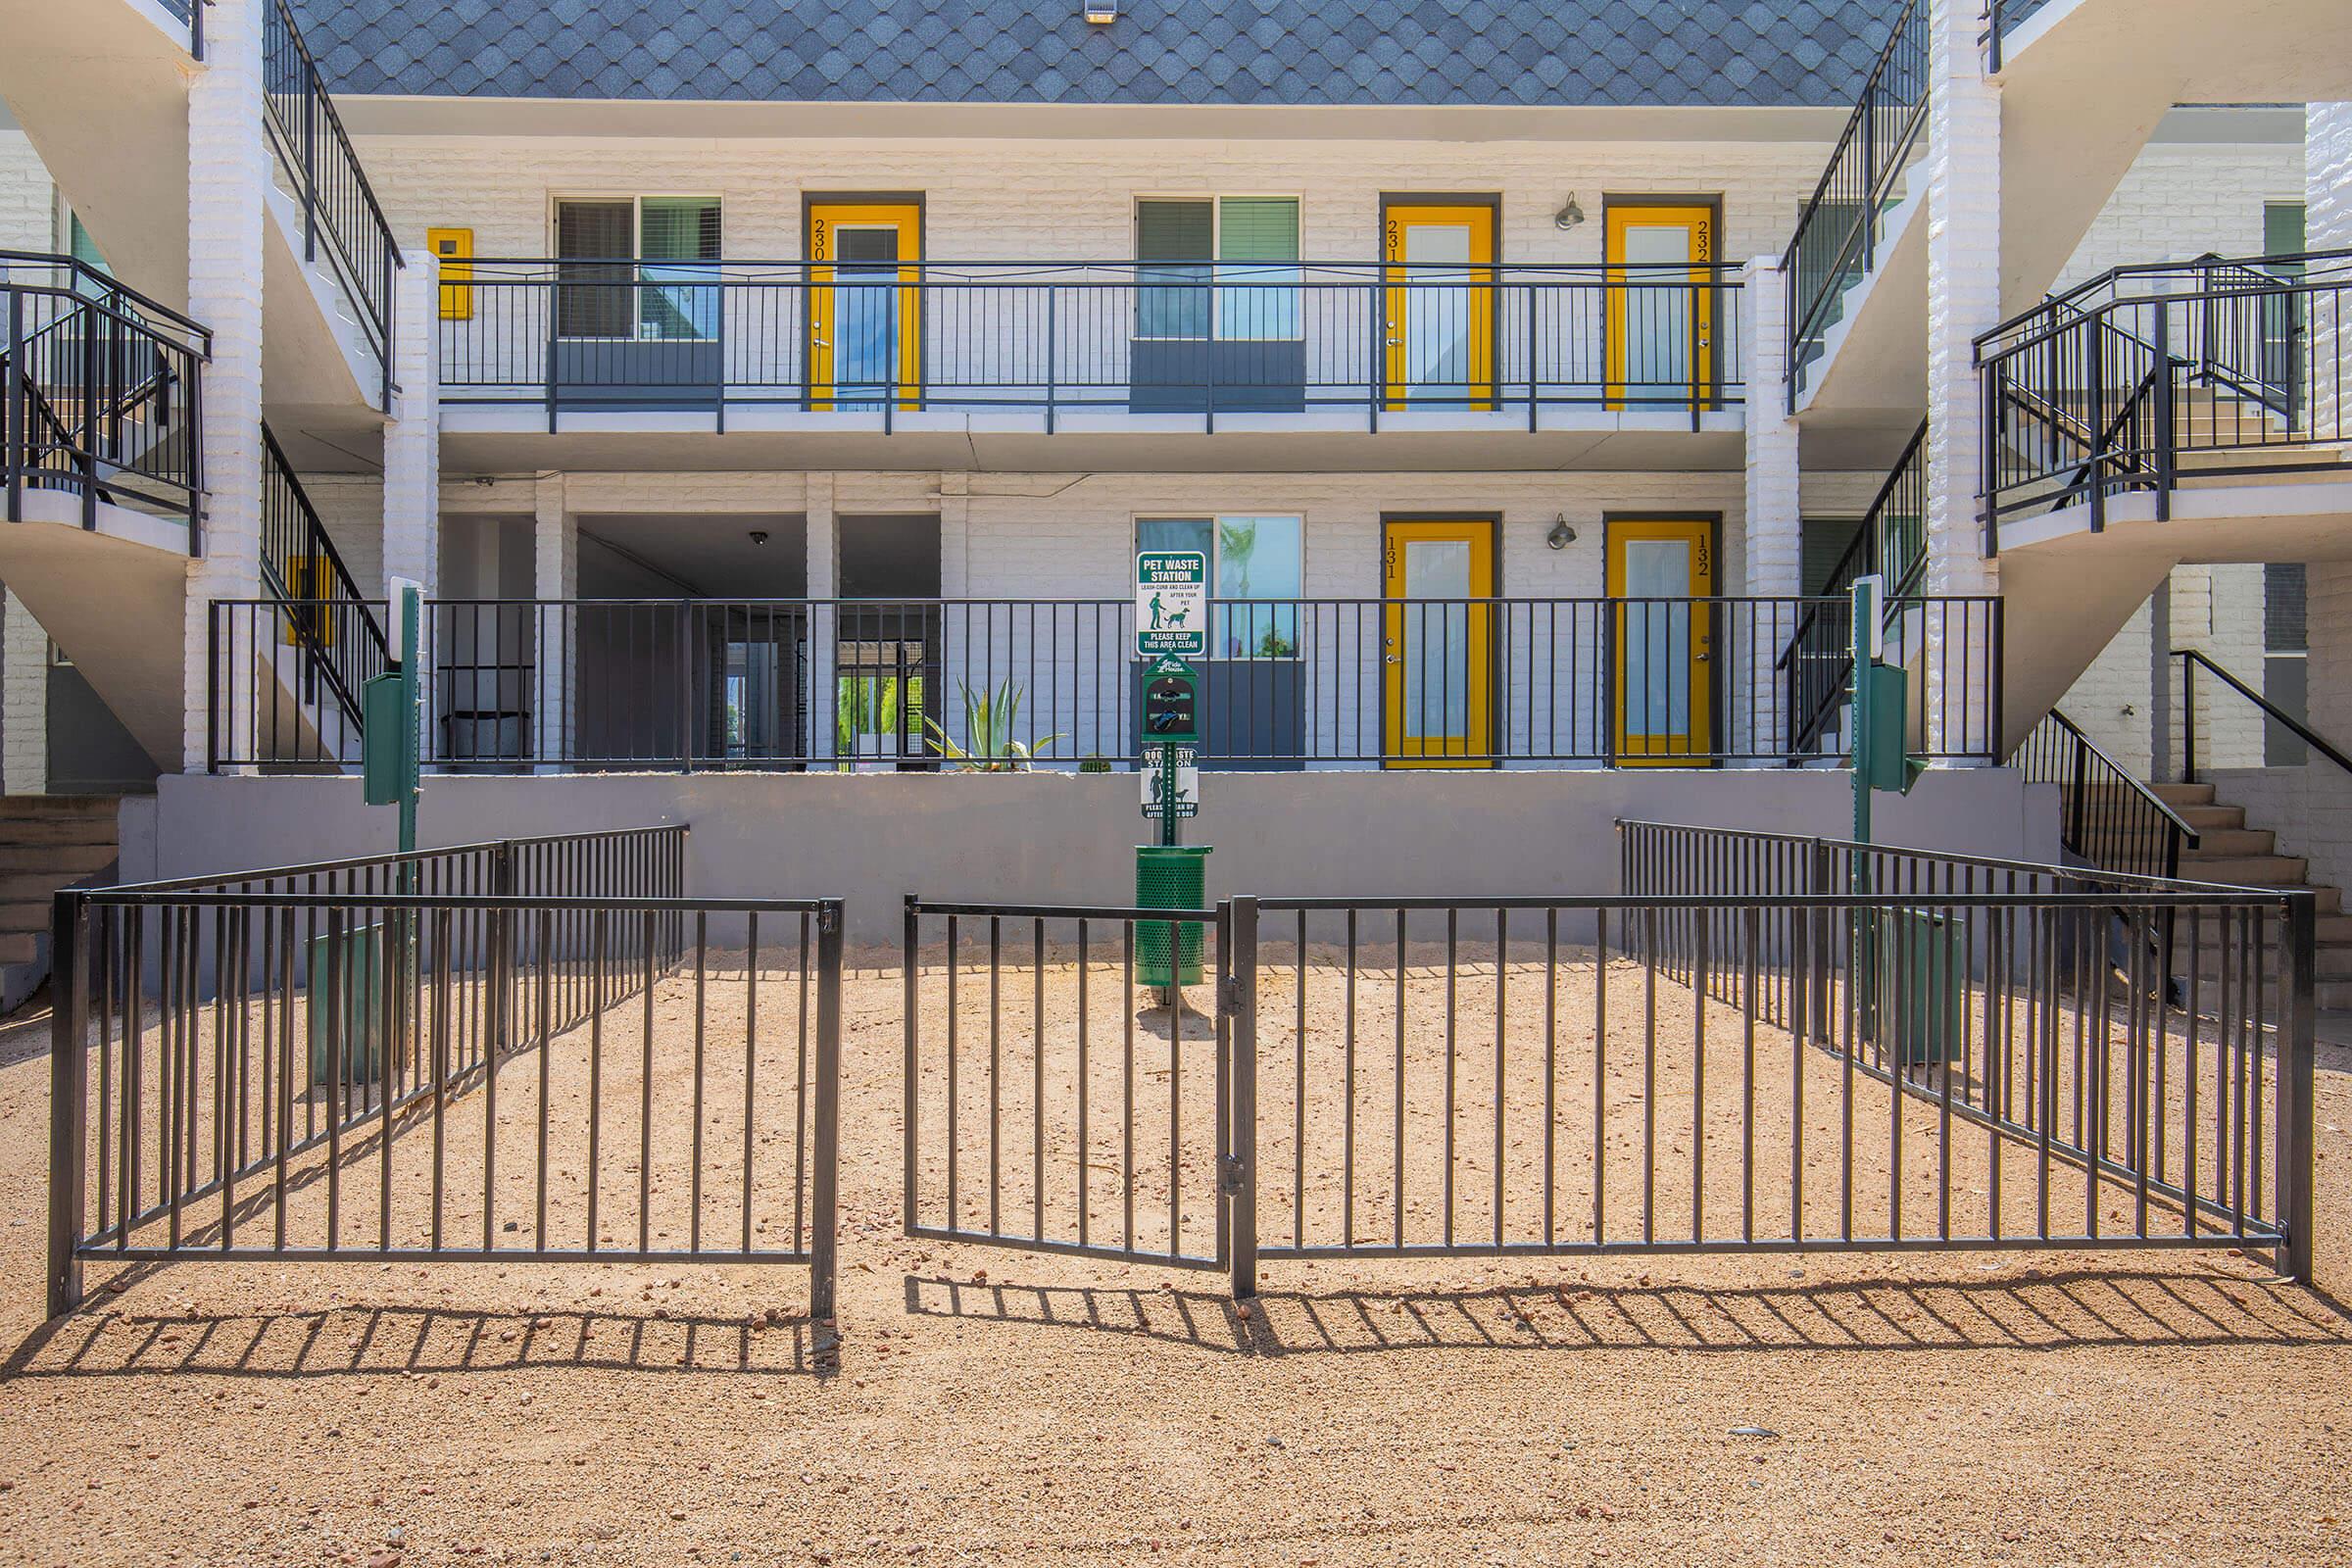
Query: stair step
x,y
25,915
2333,963
2334,995
17,947
2246,870
2178,796
2229,842
61,829
68,862
17,805
2211,819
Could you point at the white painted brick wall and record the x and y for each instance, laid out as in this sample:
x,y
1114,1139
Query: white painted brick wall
x,y
1963,174
2327,226
229,174
27,198
23,701
2182,200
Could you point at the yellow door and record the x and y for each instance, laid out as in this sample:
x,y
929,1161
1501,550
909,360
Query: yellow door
x,y
1661,314
1660,576
1439,303
866,302
1437,647
453,248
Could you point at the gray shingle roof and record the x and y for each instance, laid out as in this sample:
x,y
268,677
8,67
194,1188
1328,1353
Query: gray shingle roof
x,y
1410,52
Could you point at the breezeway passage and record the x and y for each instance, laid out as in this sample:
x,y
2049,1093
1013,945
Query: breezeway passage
x,y
1919,1068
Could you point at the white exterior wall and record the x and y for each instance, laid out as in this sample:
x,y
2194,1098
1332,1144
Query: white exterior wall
x,y
1013,199
27,223
2185,199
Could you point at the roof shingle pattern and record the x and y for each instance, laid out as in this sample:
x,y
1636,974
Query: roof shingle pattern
x,y
1380,52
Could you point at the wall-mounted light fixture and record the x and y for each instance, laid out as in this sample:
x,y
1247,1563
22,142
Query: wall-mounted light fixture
x,y
759,536
1561,535
1569,216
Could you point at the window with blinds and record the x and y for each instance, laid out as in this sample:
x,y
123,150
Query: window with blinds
x,y
1246,245
638,268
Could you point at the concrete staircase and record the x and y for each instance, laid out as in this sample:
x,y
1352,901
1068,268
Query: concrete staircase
x,y
47,842
2229,851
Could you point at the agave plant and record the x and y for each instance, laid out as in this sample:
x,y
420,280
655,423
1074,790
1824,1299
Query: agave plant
x,y
990,721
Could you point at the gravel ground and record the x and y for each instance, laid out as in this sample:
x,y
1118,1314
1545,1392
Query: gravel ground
x,y
992,1406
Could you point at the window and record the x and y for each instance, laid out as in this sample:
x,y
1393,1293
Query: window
x,y
634,267
1256,573
1246,245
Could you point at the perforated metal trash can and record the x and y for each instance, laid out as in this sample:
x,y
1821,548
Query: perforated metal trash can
x,y
1169,876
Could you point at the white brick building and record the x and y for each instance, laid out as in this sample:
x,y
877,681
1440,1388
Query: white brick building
x,y
742,398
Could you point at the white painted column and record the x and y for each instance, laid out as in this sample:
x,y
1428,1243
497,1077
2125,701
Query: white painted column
x,y
413,431
960,626
1964,299
1772,548
2327,226
228,175
824,632
413,465
555,575
23,701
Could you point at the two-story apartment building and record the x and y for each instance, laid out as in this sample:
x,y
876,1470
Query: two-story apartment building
x,y
768,394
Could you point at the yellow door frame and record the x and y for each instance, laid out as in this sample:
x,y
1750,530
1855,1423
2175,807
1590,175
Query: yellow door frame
x,y
1692,743
1481,217
453,248
1476,748
1619,214
823,218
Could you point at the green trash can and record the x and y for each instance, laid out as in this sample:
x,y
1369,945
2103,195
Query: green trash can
x,y
1170,876
1915,986
352,968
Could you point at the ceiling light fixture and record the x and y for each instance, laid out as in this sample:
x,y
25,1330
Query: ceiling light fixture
x,y
1101,13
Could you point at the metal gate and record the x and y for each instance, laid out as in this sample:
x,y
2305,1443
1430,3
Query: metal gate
x,y
1053,1100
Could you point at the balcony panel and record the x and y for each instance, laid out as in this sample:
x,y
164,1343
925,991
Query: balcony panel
x,y
1021,350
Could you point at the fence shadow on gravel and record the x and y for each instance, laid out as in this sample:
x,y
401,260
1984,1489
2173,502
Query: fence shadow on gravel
x,y
2070,1309
392,1340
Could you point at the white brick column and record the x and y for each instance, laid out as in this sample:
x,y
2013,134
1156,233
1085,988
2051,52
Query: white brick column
x,y
555,575
412,464
957,626
2327,226
1964,299
1774,545
228,175
23,701
824,632
413,431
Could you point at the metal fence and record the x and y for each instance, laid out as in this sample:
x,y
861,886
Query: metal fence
x,y
1774,1044
1289,683
2108,818
100,393
1062,338
384,1059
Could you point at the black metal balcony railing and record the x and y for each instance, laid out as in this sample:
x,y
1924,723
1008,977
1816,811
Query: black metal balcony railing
x,y
100,393
2149,376
1835,244
337,635
339,209
191,13
719,684
1071,338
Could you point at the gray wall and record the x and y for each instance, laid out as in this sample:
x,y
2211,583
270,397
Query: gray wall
x,y
1068,838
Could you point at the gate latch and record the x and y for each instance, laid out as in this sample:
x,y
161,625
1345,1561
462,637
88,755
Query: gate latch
x,y
1229,995
1228,1174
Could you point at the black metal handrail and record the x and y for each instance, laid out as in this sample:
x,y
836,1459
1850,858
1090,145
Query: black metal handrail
x,y
2151,374
2001,19
2108,818
998,684
338,204
328,618
1063,338
100,393
2190,659
1836,241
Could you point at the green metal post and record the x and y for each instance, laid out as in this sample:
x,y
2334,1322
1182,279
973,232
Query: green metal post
x,y
1169,792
